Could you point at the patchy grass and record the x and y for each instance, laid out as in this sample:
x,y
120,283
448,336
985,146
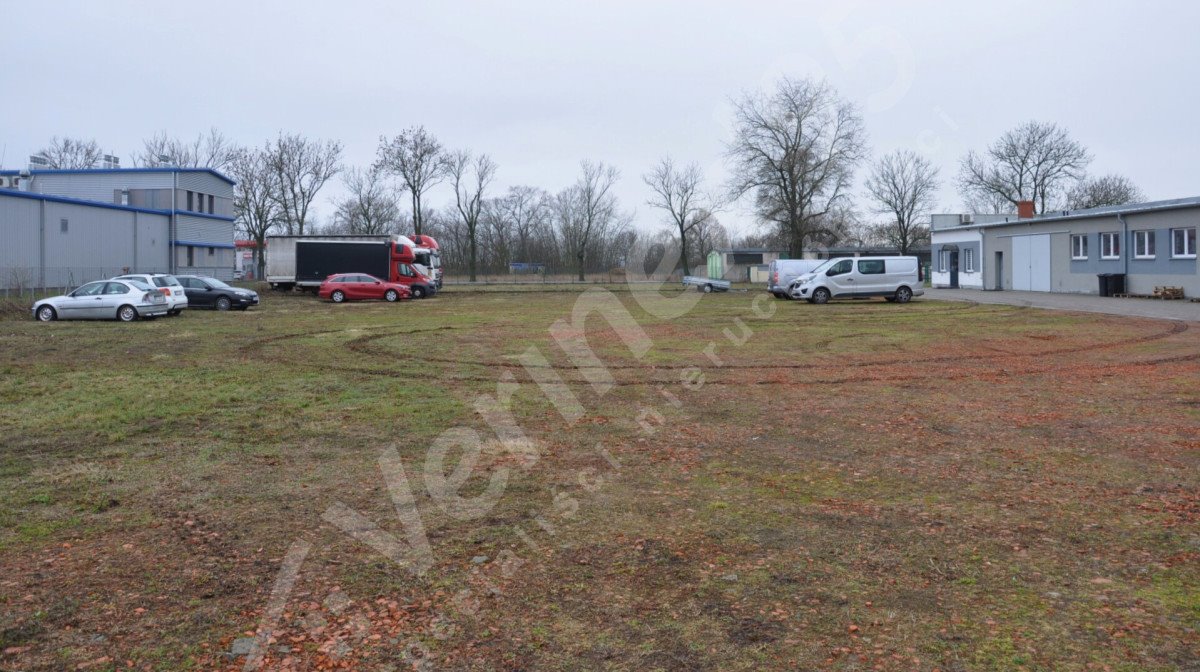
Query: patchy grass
x,y
855,486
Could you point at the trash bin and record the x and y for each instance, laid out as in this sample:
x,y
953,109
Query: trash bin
x,y
1105,284
1116,284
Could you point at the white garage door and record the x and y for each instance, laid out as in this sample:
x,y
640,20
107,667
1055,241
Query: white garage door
x,y
1031,263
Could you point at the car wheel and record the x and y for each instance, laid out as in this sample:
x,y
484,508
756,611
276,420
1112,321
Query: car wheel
x,y
820,295
46,314
223,303
391,296
418,292
337,296
903,295
127,314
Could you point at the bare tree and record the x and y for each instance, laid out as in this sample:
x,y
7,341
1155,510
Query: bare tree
x,y
417,158
987,203
1035,161
525,212
471,177
370,208
1097,192
254,202
71,153
207,151
587,211
677,190
795,150
301,167
904,186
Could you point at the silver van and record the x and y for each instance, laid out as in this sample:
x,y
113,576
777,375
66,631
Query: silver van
x,y
782,272
893,278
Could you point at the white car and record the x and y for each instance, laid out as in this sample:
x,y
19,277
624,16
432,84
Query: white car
x,y
124,300
170,287
893,278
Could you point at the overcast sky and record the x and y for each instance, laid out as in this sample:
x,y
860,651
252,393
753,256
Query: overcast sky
x,y
541,85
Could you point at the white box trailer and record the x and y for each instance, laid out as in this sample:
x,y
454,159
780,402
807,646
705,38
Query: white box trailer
x,y
281,256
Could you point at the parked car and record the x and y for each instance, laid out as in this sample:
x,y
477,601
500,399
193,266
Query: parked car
x,y
346,286
893,278
783,272
124,300
167,284
204,292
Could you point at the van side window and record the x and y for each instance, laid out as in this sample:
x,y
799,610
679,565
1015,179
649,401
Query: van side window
x,y
871,267
840,268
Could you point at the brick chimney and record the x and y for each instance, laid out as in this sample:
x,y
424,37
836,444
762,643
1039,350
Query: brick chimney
x,y
1024,209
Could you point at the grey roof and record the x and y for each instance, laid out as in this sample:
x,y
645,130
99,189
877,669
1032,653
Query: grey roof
x,y
749,250
1065,215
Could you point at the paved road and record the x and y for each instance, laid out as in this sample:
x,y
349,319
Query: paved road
x,y
1167,310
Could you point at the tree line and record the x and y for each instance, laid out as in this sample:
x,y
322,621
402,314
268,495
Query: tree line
x,y
793,160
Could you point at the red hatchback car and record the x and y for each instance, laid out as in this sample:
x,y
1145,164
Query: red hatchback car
x,y
347,286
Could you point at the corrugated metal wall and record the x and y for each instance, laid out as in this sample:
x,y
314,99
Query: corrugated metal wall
x,y
94,243
98,186
204,230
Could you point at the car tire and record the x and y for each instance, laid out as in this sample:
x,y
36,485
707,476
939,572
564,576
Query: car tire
x,y
223,303
418,292
391,296
338,296
820,295
46,314
903,295
127,313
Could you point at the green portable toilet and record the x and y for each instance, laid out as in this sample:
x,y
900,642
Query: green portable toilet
x,y
715,268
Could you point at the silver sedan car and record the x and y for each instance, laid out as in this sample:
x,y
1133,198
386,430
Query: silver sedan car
x,y
124,300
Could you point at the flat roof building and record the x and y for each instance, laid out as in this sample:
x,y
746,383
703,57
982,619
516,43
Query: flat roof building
x,y
64,227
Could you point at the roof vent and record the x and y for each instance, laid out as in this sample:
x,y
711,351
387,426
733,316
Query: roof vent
x,y
110,162
38,162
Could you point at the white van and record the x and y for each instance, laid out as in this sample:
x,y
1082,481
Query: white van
x,y
782,272
893,278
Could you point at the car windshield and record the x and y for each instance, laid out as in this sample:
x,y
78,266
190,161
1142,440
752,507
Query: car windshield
x,y
819,269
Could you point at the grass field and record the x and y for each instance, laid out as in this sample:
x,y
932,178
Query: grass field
x,y
761,485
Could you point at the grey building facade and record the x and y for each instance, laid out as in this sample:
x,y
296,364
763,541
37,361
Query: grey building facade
x,y
65,227
1153,244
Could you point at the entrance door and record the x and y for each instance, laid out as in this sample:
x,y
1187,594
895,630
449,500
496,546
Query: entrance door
x,y
954,269
999,270
1031,263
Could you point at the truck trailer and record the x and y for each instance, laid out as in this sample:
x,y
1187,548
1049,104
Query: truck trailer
x,y
305,261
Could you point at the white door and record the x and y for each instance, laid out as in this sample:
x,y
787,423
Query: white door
x,y
1039,263
1020,263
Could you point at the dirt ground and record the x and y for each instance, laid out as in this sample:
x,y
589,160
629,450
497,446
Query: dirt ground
x,y
461,483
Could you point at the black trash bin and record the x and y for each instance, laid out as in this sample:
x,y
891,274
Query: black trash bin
x,y
1105,284
1116,284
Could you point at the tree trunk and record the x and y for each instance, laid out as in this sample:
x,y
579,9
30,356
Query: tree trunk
x,y
473,252
416,206
581,267
683,252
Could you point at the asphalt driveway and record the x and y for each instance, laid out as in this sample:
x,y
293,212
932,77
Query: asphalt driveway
x,y
1167,310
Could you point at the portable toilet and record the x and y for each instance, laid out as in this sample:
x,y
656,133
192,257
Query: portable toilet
x,y
716,269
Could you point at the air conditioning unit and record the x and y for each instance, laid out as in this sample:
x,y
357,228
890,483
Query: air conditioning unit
x,y
6,182
110,162
966,219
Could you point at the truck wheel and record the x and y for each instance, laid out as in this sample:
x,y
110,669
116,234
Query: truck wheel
x,y
391,296
820,295
418,292
903,295
337,296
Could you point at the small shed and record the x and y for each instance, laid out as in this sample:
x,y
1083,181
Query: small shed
x,y
743,264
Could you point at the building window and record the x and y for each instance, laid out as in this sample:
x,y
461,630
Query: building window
x,y
1079,246
1110,246
63,225
969,260
1143,244
191,256
190,204
1183,243
212,251
212,202
944,261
